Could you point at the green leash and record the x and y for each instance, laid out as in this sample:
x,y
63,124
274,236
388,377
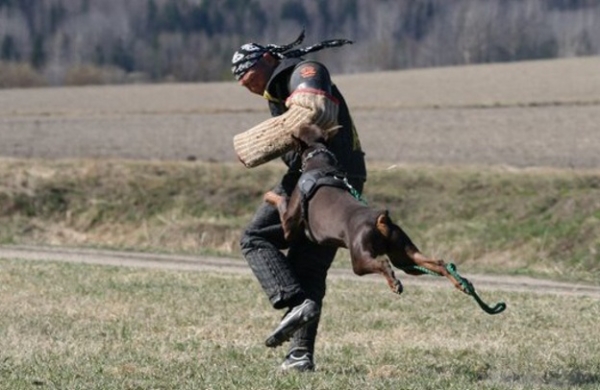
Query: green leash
x,y
468,287
353,192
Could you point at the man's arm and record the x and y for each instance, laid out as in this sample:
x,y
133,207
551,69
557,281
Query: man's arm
x,y
310,102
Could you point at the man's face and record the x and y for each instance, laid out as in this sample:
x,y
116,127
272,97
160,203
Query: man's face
x,y
257,77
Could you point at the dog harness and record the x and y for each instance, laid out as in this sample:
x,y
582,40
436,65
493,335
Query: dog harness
x,y
311,181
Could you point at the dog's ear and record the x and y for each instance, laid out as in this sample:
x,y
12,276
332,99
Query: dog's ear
x,y
299,144
311,134
304,135
331,132
383,224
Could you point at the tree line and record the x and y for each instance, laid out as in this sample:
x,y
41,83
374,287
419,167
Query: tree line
x,y
58,42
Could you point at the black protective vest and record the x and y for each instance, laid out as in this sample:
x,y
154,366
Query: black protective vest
x,y
345,145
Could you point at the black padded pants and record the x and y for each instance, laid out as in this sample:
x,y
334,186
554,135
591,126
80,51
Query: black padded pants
x,y
262,245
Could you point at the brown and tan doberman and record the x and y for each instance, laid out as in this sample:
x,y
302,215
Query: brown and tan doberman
x,y
330,214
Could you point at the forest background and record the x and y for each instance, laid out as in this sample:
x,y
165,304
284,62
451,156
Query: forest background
x,y
77,42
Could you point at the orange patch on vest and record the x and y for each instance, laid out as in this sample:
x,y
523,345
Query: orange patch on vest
x,y
308,71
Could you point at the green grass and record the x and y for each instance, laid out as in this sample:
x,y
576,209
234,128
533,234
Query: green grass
x,y
543,223
70,326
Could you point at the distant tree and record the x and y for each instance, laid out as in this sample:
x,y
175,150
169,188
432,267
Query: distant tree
x,y
122,56
259,15
152,26
199,19
85,6
325,17
292,10
171,18
9,50
418,19
347,13
99,56
28,9
152,17
58,14
7,3
193,39
571,4
38,54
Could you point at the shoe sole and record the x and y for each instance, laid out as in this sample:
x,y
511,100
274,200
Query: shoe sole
x,y
303,367
283,335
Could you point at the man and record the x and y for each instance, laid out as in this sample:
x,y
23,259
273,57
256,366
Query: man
x,y
298,91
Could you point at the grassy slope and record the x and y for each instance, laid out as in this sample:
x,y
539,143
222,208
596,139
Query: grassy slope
x,y
543,223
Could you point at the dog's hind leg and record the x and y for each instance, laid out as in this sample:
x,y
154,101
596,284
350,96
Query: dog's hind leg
x,y
363,263
290,220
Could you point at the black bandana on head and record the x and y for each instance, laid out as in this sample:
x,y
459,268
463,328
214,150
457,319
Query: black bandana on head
x,y
248,55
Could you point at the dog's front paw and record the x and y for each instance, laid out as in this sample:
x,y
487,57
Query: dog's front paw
x,y
397,287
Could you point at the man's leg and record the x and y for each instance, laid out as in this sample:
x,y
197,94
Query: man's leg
x,y
311,263
261,245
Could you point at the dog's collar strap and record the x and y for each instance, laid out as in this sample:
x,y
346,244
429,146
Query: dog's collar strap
x,y
316,152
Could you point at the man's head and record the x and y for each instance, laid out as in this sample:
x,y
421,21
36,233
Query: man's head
x,y
245,58
252,65
252,62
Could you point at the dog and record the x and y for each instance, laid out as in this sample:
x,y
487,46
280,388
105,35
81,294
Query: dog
x,y
323,207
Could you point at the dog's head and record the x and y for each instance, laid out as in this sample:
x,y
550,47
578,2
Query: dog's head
x,y
311,143
309,137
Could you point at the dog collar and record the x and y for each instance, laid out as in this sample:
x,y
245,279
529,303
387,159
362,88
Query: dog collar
x,y
314,153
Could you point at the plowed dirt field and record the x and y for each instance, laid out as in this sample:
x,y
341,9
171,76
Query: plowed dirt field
x,y
543,113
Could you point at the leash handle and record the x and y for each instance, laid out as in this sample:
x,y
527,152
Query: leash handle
x,y
498,307
467,286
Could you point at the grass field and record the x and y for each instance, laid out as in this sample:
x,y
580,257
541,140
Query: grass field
x,y
68,326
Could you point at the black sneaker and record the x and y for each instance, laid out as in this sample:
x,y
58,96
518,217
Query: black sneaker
x,y
299,360
296,318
